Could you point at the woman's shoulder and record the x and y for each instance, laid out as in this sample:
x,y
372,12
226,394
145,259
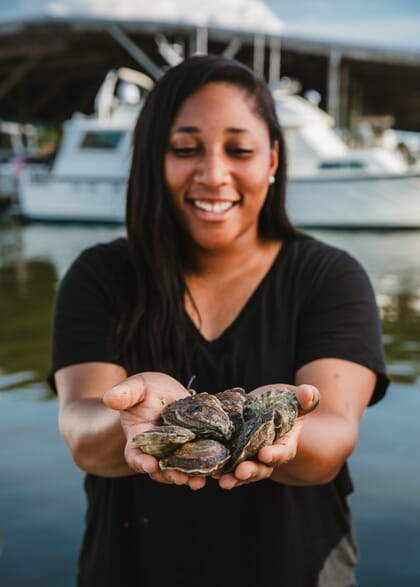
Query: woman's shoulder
x,y
101,275
112,252
313,247
314,263
313,253
105,264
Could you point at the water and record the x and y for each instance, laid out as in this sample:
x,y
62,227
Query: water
x,y
41,498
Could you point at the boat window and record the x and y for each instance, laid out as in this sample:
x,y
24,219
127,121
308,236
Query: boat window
x,y
342,165
102,139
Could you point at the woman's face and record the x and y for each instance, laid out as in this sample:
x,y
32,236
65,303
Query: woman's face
x,y
217,166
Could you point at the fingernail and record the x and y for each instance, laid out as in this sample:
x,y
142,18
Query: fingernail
x,y
148,468
313,391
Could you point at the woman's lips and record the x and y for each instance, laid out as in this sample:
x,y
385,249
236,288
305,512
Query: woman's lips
x,y
213,207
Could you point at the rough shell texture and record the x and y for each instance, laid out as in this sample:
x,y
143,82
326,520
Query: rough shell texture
x,y
162,440
229,427
203,414
233,402
257,432
282,400
201,457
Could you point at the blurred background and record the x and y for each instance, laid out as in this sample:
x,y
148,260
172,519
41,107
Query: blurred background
x,y
73,77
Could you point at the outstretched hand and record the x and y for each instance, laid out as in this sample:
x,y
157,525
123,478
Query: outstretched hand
x,y
284,448
140,400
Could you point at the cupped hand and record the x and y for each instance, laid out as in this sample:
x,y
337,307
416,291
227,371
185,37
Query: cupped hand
x,y
140,400
284,448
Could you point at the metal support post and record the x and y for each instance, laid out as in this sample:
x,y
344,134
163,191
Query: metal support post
x,y
333,89
259,54
142,59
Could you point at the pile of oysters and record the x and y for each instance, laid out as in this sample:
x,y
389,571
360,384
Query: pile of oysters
x,y
203,434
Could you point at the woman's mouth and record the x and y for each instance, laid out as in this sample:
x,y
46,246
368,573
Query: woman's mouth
x,y
215,207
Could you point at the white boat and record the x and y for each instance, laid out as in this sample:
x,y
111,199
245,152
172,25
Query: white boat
x,y
334,186
87,181
330,185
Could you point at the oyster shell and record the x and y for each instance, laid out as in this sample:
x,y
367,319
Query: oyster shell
x,y
200,457
203,414
204,434
257,432
284,401
162,440
233,401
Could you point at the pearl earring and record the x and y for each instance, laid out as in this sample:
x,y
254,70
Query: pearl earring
x,y
271,180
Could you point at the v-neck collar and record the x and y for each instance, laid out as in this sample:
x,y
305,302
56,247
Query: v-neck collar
x,y
245,307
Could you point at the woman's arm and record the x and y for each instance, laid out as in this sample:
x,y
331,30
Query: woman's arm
x,y
319,443
329,434
100,412
91,430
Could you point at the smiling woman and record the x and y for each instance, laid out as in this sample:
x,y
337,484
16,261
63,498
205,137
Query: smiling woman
x,y
213,280
218,167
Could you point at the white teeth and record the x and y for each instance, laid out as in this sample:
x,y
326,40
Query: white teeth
x,y
215,207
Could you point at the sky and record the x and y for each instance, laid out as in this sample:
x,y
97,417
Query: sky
x,y
246,15
383,23
378,23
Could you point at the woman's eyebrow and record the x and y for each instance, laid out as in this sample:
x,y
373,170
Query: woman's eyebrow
x,y
187,129
195,129
236,130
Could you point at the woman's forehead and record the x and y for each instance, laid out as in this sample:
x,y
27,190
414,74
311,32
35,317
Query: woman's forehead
x,y
217,103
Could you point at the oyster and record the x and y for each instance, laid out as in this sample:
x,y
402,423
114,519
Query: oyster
x,y
201,457
203,434
203,414
257,432
284,401
162,440
233,401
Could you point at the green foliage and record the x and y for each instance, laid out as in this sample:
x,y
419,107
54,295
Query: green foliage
x,y
27,291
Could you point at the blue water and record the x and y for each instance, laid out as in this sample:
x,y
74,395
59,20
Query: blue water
x,y
41,497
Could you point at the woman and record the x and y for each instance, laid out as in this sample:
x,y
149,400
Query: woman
x,y
214,281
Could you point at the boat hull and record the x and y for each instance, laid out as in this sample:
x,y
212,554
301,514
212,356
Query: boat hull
x,y
382,202
72,200
377,202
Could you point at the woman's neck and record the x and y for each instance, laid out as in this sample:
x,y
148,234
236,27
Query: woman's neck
x,y
231,260
223,283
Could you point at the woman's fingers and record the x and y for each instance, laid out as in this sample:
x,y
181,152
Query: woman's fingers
x,y
126,394
284,448
245,472
308,397
178,478
158,388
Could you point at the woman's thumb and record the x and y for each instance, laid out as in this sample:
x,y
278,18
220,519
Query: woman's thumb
x,y
126,394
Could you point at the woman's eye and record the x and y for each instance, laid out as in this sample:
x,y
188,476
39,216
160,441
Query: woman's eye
x,y
184,151
239,151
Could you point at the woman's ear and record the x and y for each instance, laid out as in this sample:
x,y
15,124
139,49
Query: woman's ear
x,y
274,158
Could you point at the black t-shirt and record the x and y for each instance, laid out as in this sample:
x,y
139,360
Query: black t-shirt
x,y
315,302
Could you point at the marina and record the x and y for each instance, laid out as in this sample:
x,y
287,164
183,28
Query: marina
x,y
85,69
330,184
343,100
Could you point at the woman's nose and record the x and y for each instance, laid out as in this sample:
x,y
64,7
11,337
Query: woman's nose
x,y
213,169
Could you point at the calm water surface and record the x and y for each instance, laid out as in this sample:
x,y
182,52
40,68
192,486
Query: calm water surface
x,y
41,498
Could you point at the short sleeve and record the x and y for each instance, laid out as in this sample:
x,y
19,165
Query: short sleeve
x,y
340,318
85,313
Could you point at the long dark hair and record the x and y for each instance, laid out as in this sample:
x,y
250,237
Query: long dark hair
x,y
154,330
